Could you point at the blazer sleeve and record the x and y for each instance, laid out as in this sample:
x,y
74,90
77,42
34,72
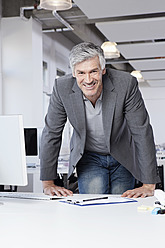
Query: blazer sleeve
x,y
139,125
52,136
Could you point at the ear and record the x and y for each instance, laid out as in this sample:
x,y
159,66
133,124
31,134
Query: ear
x,y
73,74
103,71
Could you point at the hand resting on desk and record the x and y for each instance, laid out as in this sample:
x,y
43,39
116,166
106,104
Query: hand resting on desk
x,y
51,189
144,191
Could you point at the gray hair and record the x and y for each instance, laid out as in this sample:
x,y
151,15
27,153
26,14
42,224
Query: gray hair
x,y
84,51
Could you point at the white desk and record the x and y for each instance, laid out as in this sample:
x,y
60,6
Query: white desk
x,y
40,224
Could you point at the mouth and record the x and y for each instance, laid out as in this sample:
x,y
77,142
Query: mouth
x,y
90,85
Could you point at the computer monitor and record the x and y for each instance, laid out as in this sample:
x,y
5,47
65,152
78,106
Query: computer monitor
x,y
12,151
31,146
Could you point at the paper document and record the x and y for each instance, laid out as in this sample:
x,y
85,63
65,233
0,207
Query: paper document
x,y
96,200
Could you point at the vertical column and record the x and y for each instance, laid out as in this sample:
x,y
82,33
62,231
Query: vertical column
x,y
22,69
1,92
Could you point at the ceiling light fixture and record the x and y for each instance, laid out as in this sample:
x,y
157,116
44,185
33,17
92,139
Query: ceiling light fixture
x,y
110,50
56,4
138,76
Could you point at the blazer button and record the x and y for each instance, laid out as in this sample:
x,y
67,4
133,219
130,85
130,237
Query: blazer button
x,y
81,153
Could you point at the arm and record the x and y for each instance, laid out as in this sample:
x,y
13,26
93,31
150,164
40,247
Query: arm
x,y
51,144
142,134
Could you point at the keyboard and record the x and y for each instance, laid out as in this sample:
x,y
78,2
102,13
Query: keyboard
x,y
31,196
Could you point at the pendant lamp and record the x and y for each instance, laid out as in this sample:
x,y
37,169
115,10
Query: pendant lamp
x,y
138,76
110,50
56,4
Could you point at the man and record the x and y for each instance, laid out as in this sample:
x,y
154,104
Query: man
x,y
112,140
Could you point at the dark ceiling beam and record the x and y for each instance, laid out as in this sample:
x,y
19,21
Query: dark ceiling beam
x,y
88,33
12,8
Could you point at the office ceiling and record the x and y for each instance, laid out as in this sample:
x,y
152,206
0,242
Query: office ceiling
x,y
138,28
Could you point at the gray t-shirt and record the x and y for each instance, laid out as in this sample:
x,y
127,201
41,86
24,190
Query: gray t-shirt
x,y
95,140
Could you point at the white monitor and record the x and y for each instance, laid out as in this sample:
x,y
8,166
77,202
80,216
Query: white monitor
x,y
12,151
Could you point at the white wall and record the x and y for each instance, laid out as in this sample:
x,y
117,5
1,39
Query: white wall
x,y
22,69
56,50
154,98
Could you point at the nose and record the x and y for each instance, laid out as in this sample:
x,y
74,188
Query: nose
x,y
88,78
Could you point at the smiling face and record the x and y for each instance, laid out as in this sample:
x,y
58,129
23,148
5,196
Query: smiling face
x,y
88,74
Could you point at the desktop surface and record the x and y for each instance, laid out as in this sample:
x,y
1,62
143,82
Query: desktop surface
x,y
31,223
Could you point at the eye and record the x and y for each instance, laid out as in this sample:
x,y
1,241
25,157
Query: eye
x,y
80,73
94,71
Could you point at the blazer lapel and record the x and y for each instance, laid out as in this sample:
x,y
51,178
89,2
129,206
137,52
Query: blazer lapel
x,y
108,107
77,102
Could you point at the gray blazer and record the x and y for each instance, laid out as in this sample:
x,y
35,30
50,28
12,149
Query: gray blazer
x,y
128,133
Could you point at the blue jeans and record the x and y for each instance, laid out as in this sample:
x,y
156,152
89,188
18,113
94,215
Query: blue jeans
x,y
102,174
